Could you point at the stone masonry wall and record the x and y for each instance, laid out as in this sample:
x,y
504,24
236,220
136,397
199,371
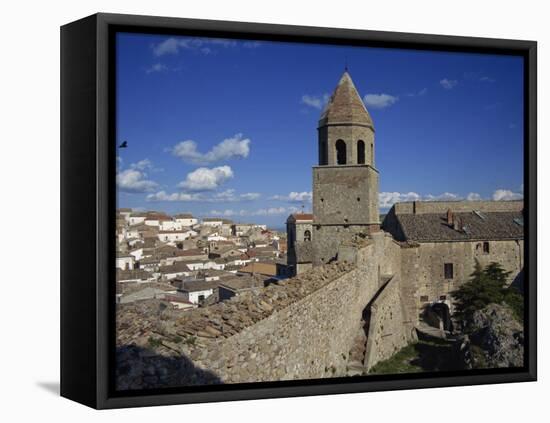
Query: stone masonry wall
x,y
310,339
390,328
302,328
423,266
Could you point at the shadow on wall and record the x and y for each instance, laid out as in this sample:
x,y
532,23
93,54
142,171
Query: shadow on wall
x,y
143,368
518,282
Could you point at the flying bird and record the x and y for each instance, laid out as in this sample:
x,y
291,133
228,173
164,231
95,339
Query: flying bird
x,y
124,144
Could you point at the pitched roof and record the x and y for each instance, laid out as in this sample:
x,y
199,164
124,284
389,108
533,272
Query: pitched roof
x,y
178,266
345,105
433,227
294,217
269,269
198,285
242,283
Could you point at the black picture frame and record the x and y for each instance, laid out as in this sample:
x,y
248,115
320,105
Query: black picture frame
x,y
88,196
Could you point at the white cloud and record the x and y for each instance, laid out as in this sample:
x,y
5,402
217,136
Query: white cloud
x,y
227,196
144,164
448,84
229,148
317,102
250,196
134,180
387,199
446,196
379,101
205,179
473,196
506,194
294,197
271,211
157,67
176,196
204,45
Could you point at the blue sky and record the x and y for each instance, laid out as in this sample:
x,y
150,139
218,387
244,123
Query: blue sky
x,y
228,127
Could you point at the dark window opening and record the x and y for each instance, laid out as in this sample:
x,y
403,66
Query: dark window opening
x,y
201,298
307,235
360,152
424,298
448,270
340,152
443,297
358,199
486,247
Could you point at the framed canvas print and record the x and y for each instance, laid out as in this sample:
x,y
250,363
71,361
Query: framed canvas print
x,y
256,211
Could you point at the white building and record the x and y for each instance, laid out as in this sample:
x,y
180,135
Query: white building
x,y
198,291
125,261
186,220
136,218
137,254
216,236
174,236
212,222
204,264
170,225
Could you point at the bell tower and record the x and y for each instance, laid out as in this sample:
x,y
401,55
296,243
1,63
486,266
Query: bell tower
x,y
345,183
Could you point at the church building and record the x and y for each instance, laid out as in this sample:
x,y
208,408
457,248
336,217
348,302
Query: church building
x,y
439,242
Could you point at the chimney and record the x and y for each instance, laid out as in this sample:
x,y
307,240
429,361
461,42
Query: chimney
x,y
450,217
457,224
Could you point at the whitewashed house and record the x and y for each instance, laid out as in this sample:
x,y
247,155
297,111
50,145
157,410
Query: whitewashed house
x,y
137,253
186,220
204,264
136,218
170,225
212,222
198,291
216,236
125,261
174,236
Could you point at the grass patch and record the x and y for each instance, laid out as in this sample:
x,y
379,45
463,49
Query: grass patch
x,y
422,356
400,362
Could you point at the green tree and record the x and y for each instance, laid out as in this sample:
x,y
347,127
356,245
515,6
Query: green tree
x,y
485,286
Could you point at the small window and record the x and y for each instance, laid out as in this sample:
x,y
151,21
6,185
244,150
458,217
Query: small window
x,y
486,247
340,152
307,235
442,297
360,152
424,298
448,267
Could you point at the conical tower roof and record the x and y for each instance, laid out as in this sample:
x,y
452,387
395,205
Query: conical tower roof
x,y
345,105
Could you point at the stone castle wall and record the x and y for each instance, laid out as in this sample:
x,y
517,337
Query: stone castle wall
x,y
390,327
303,328
423,266
309,339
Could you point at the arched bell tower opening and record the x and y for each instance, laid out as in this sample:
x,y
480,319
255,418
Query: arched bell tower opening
x,y
345,198
341,153
360,152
